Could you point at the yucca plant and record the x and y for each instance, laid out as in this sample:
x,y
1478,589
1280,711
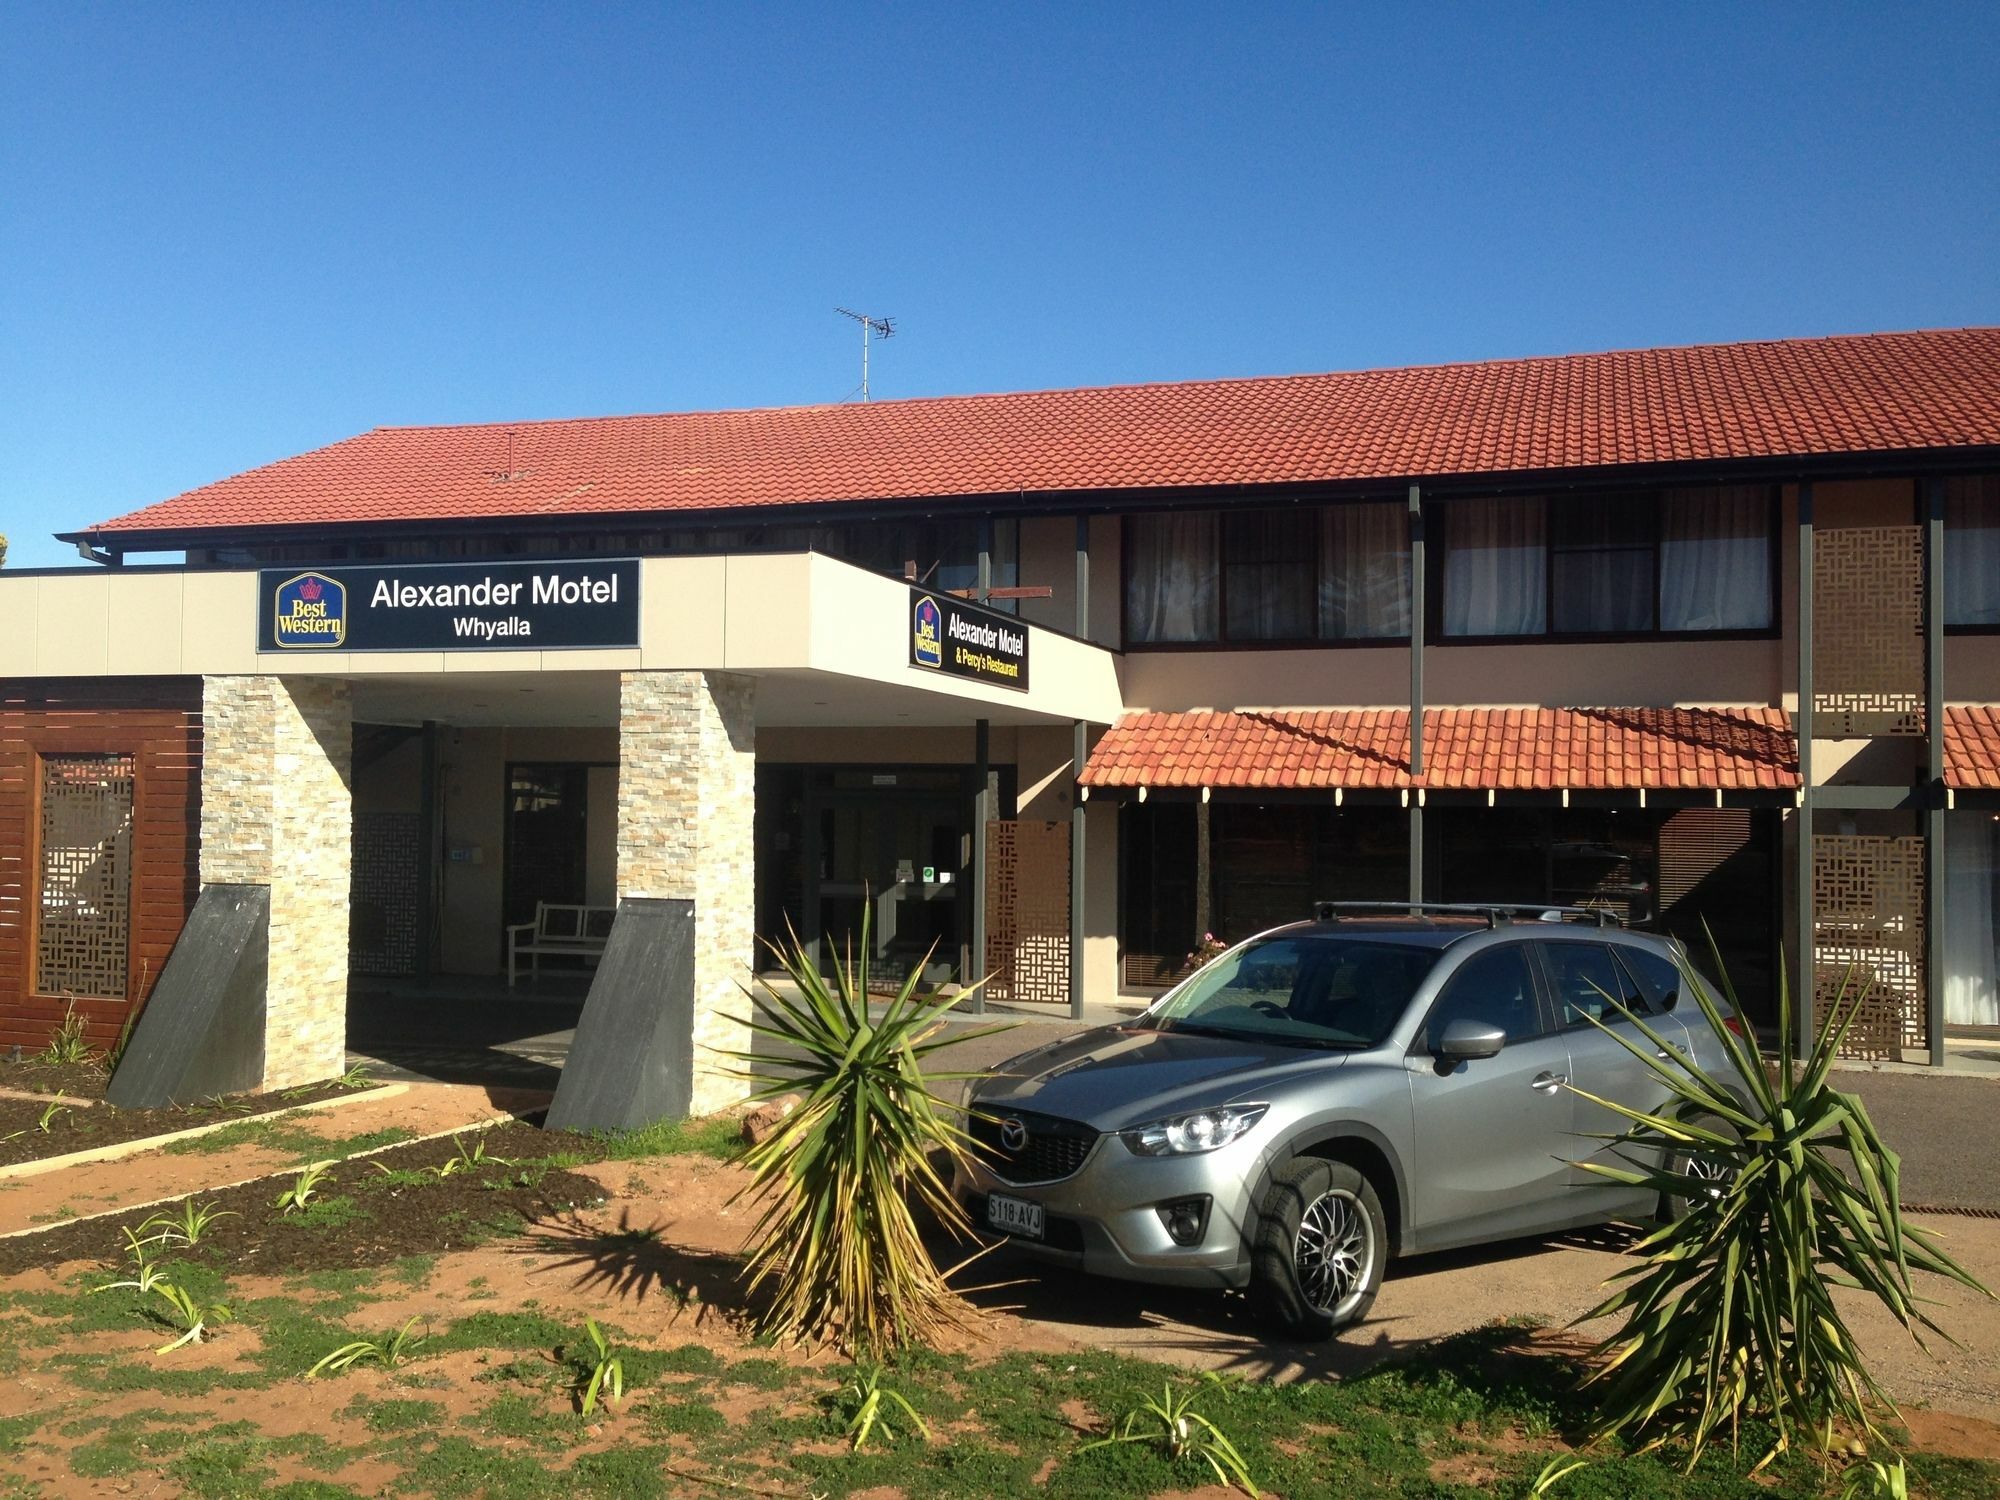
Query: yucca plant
x,y
1785,1190
1176,1430
388,1351
868,1401
837,1239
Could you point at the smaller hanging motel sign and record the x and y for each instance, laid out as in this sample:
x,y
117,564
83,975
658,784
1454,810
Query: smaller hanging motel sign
x,y
950,635
544,606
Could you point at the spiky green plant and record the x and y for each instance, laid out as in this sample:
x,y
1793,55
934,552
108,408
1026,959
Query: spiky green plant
x,y
305,1187
604,1375
388,1351
188,1226
191,1316
1176,1430
115,1053
867,1401
146,1277
67,1043
46,1123
1789,1192
837,1239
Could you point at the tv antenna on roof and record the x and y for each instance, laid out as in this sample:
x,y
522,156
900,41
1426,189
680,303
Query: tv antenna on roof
x,y
878,327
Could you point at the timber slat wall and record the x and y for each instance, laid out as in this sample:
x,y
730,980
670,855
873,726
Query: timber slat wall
x,y
157,721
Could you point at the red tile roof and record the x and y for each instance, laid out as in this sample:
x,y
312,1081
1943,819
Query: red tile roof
x,y
1862,393
1521,749
1972,748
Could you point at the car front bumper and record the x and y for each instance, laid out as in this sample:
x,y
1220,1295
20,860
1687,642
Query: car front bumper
x,y
1104,1218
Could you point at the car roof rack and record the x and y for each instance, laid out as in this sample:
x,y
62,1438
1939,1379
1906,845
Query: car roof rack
x,y
1494,913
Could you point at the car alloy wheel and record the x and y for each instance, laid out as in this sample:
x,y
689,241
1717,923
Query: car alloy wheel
x,y
1334,1250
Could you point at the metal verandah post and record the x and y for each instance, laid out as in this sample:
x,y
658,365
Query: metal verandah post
x,y
1416,502
1078,745
982,755
1934,821
1802,895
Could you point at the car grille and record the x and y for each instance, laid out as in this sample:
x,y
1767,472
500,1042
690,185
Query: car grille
x,y
1054,1149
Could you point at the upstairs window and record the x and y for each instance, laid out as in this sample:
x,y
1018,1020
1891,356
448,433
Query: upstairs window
x,y
1684,561
1972,550
1292,576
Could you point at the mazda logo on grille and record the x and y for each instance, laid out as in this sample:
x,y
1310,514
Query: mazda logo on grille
x,y
1013,1135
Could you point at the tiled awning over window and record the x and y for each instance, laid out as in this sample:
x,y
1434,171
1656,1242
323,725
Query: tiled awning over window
x,y
1972,748
1470,749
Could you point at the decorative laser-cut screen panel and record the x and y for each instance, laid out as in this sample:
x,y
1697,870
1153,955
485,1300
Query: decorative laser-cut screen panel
x,y
1868,631
83,928
1868,931
1027,911
382,925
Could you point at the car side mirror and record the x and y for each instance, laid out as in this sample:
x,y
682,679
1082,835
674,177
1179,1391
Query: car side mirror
x,y
1467,1040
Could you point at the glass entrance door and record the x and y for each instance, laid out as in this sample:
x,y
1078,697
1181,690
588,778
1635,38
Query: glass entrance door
x,y
900,853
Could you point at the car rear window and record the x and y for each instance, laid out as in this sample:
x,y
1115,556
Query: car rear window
x,y
1312,990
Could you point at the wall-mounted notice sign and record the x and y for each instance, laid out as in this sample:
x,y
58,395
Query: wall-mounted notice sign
x,y
949,635
546,606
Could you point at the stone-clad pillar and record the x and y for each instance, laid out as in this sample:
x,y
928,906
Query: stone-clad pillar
x,y
276,811
686,806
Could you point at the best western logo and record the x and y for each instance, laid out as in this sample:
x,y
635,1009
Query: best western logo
x,y
310,613
926,636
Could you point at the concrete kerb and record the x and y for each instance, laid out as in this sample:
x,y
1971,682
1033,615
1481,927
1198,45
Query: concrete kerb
x,y
119,1149
499,1118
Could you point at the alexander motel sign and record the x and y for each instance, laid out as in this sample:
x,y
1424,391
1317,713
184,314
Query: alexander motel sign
x,y
949,635
548,606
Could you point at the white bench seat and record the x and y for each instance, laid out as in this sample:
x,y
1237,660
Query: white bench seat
x,y
559,931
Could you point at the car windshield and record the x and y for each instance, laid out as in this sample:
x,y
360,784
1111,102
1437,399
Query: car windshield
x,y
1312,990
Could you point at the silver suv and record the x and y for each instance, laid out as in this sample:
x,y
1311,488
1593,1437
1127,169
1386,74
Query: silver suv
x,y
1375,1082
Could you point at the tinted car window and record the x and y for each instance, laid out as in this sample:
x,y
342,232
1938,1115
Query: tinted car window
x,y
1583,974
1494,989
1311,990
1658,973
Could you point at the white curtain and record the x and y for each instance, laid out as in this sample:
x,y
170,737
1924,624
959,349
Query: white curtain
x,y
1364,571
1715,559
1971,945
1496,567
1972,551
1170,590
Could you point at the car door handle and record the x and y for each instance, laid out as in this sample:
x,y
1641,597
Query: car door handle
x,y
1548,1083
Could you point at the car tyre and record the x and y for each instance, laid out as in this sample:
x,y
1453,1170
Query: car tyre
x,y
1320,1249
1673,1207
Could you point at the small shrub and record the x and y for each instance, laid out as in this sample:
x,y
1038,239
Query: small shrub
x,y
389,1351
1176,1430
66,1043
189,1315
305,1187
605,1374
188,1226
867,1401
55,1109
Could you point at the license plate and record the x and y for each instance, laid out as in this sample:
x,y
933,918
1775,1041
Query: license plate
x,y
1014,1216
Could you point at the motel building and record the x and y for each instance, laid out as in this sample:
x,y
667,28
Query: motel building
x,y
1051,684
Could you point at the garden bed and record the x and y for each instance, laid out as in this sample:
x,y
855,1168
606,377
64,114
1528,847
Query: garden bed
x,y
418,1199
36,1075
33,1130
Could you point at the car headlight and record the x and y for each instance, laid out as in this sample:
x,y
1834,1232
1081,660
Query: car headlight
x,y
1190,1135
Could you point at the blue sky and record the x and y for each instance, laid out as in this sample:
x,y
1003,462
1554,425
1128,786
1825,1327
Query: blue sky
x,y
230,233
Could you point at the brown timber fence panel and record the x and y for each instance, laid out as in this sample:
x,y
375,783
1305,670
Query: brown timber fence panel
x,y
157,723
